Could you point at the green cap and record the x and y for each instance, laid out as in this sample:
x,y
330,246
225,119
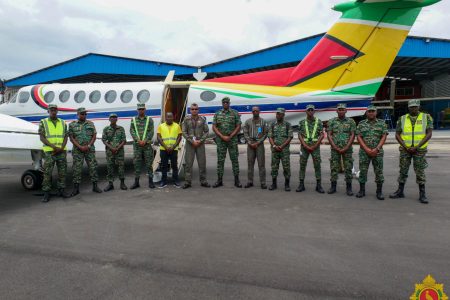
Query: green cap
x,y
113,115
52,106
310,106
281,110
141,106
81,109
371,107
414,102
225,99
341,105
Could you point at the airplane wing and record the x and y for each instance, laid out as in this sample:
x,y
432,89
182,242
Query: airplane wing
x,y
18,134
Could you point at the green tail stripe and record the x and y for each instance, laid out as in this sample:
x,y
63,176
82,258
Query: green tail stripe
x,y
367,89
231,93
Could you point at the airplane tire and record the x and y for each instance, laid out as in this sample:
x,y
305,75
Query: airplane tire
x,y
31,180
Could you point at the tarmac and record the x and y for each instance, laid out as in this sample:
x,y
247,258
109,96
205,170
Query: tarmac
x,y
226,243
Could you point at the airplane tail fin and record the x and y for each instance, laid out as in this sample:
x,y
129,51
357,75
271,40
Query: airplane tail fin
x,y
356,53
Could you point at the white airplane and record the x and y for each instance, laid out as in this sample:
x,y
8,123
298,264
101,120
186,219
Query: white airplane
x,y
347,65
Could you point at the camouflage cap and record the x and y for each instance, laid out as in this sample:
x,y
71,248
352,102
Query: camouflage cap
x,y
52,106
310,106
225,99
141,106
281,110
341,105
113,115
81,109
414,102
371,107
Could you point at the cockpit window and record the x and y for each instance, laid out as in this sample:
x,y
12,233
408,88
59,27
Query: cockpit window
x,y
13,99
49,97
23,97
64,96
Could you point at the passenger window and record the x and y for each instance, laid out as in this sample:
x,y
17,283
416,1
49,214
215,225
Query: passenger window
x,y
126,96
23,97
49,97
94,96
64,96
79,96
143,96
207,96
110,96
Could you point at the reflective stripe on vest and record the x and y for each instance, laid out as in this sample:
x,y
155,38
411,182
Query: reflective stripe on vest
x,y
145,130
308,137
54,134
169,134
412,135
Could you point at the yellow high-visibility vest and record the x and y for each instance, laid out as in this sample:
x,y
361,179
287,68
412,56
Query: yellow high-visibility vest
x,y
169,134
311,137
54,134
412,135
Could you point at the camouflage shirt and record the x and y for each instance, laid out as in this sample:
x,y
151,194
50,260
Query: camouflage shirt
x,y
226,120
302,130
255,131
372,131
341,130
113,136
82,132
140,125
280,132
197,128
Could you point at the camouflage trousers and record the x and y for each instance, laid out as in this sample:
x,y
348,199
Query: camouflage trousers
x,y
335,165
189,158
78,158
143,155
317,160
232,147
285,157
259,155
377,163
49,163
113,160
419,164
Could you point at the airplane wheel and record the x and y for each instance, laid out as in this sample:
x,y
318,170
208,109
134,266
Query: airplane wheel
x,y
31,180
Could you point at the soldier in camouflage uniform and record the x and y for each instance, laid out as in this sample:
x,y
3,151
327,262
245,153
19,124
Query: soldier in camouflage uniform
x,y
413,132
54,142
226,125
82,134
114,139
371,134
310,134
195,131
341,134
280,137
142,130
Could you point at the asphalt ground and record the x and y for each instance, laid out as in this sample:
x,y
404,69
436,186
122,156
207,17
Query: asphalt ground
x,y
225,243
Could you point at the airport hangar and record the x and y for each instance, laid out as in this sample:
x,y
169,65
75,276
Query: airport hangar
x,y
421,70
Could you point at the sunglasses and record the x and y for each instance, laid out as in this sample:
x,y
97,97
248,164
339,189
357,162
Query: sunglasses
x,y
83,113
194,108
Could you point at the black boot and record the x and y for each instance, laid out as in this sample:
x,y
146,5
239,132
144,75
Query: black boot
x,y
319,187
187,185
349,189
150,182
301,187
248,185
264,186
95,188
274,184
46,197
399,192
218,183
362,190
237,182
332,189
76,189
380,195
135,184
109,187
123,185
62,193
287,188
422,197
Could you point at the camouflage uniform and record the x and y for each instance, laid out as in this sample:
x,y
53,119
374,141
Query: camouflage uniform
x,y
50,160
256,131
114,136
371,132
419,160
341,131
145,152
316,153
226,121
83,132
280,132
198,130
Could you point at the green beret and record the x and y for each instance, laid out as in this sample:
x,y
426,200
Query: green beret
x,y
281,110
52,106
81,109
342,105
141,106
371,107
113,115
225,99
414,102
310,106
